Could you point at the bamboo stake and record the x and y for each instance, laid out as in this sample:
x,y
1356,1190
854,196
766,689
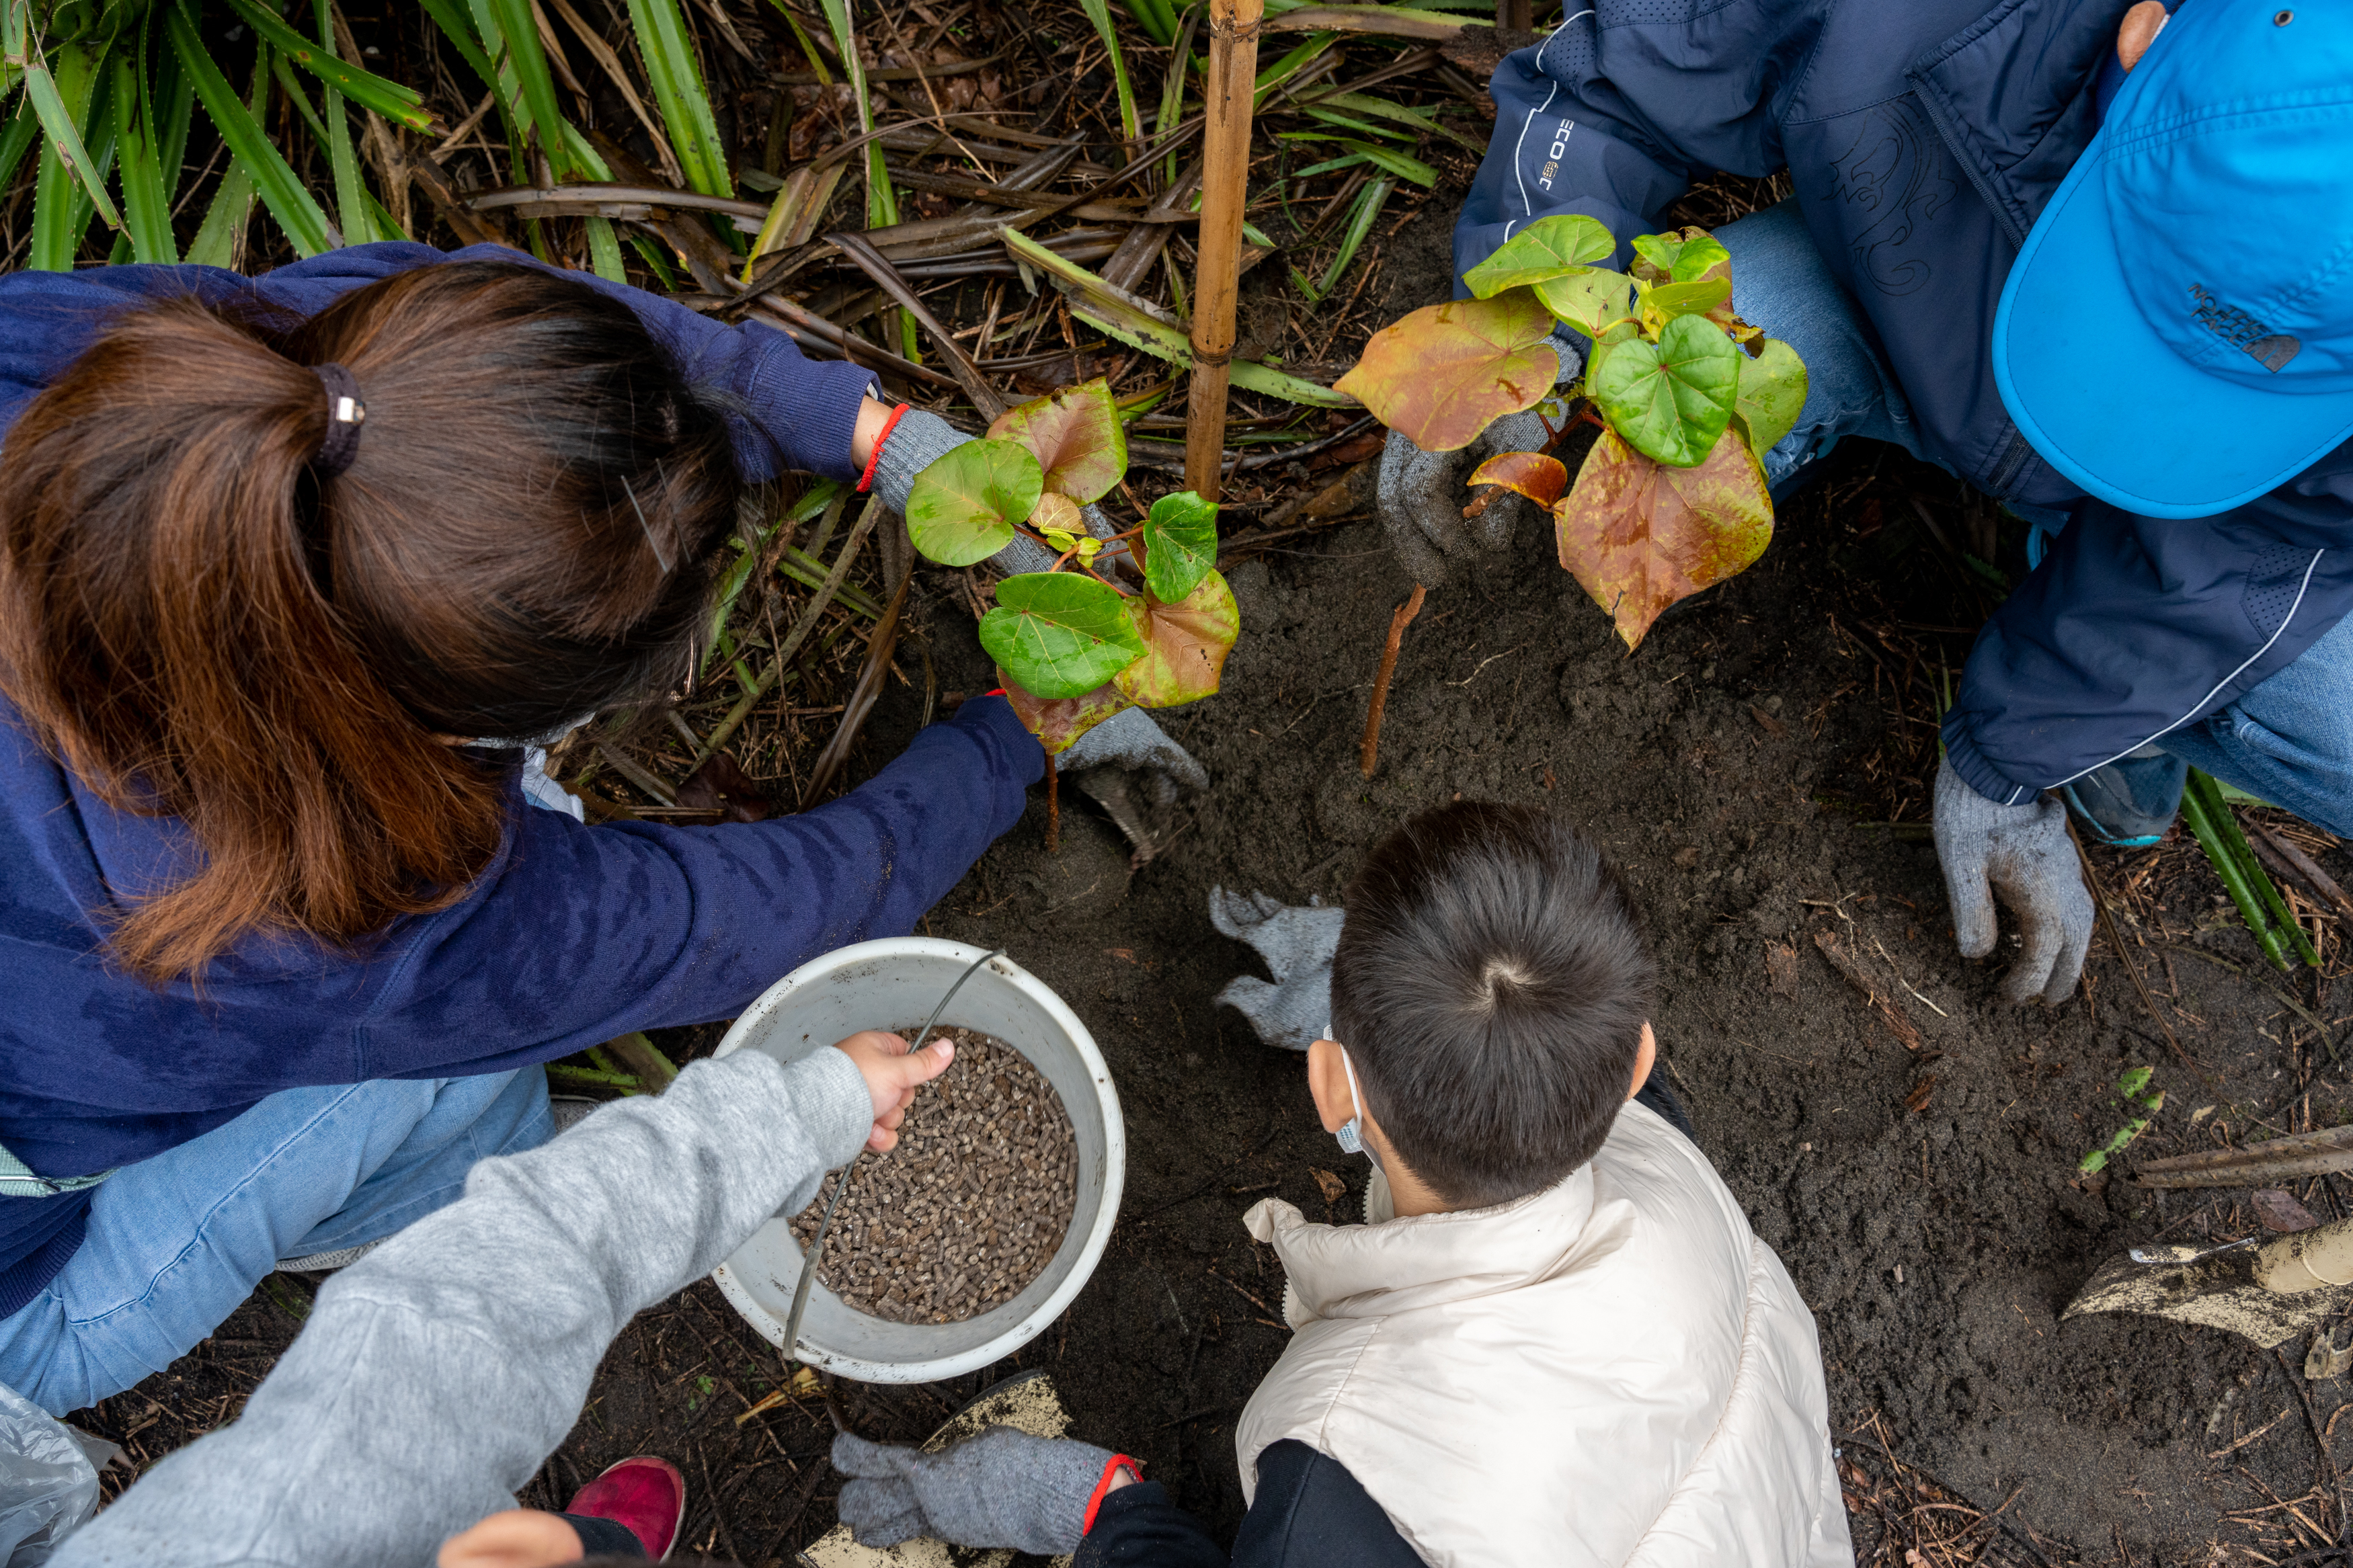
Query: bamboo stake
x,y
1397,622
1224,188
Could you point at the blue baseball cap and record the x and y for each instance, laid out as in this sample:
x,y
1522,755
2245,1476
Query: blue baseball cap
x,y
2176,334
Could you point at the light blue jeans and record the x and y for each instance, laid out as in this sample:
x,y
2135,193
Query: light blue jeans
x,y
175,1242
2289,741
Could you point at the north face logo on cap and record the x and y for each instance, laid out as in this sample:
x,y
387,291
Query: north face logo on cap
x,y
2234,326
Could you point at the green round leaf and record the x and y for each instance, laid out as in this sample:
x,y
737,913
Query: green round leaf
x,y
1180,545
962,508
1059,634
1592,301
1772,393
1664,302
1683,257
1672,398
1549,247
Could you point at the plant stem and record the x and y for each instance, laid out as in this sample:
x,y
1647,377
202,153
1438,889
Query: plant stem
x,y
1225,176
2215,828
1053,806
1397,623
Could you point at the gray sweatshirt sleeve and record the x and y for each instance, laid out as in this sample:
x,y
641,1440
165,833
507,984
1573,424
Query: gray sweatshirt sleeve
x,y
436,1374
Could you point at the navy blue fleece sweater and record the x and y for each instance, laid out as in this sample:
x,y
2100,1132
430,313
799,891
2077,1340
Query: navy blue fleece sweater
x,y
574,934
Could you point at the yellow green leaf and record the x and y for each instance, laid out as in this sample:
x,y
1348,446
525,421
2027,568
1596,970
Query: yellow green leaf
x,y
1185,648
1446,371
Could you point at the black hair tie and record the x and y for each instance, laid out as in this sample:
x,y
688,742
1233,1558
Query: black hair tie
x,y
345,413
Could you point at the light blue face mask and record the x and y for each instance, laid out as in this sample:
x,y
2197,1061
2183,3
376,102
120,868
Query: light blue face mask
x,y
1351,1135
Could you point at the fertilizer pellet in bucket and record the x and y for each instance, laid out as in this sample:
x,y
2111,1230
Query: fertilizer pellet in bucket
x,y
970,1207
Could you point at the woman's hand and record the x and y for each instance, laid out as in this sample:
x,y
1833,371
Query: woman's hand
x,y
891,1076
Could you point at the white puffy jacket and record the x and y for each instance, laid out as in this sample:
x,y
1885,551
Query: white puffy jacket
x,y
1613,1372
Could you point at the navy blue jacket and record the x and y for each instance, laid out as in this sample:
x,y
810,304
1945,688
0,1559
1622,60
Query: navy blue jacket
x,y
1308,1512
1923,138
574,934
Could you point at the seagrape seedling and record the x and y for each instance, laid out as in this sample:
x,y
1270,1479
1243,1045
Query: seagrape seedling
x,y
1671,498
1071,645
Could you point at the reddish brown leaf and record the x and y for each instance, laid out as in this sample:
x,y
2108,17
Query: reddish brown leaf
x,y
2278,1209
720,785
1058,724
1184,644
1448,371
1639,535
1534,475
1330,1184
1076,437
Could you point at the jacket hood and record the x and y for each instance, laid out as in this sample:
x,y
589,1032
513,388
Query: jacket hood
x,y
1341,1271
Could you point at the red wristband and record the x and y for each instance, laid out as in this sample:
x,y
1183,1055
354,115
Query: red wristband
x,y
1118,1462
867,478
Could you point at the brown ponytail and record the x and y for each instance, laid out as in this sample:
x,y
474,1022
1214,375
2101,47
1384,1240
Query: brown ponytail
x,y
202,626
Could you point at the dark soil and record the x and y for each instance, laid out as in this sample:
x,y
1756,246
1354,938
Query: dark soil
x,y
1760,770
971,1204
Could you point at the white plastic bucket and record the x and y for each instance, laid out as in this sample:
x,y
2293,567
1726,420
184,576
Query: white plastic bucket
x,y
895,984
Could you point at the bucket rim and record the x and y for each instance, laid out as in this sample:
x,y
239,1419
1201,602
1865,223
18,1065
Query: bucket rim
x,y
754,1021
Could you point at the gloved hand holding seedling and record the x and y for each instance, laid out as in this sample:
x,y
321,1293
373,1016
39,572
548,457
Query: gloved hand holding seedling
x,y
1672,498
1072,646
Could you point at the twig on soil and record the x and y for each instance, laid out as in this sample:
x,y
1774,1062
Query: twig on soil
x,y
2302,865
726,728
878,648
2298,1381
1053,806
1891,1008
1369,753
2124,953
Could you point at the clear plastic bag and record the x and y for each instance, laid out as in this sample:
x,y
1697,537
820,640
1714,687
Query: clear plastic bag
x,y
48,1479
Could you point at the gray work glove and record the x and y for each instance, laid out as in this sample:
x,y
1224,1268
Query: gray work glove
x,y
1003,1490
1297,942
1422,494
1130,767
2022,852
1130,742
920,439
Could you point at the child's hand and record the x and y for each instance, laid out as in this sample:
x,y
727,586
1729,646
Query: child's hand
x,y
891,1076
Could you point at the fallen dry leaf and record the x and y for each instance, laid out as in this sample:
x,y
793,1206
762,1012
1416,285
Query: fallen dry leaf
x,y
720,785
2278,1209
1333,1188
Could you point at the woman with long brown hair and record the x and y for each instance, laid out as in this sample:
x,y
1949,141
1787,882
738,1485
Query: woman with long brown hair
x,y
291,571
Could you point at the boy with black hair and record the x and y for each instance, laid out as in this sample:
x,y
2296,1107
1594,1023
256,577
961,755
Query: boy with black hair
x,y
1558,1340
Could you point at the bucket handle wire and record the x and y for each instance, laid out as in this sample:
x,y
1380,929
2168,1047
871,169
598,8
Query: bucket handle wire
x,y
816,1244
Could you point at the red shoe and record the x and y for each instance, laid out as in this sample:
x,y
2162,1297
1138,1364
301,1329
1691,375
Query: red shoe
x,y
644,1495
